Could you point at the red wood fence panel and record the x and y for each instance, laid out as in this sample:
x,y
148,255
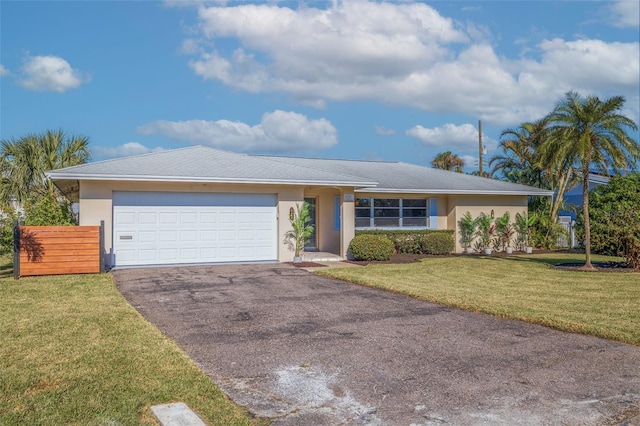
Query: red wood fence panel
x,y
54,250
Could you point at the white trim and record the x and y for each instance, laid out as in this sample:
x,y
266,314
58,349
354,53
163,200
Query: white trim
x,y
134,178
449,191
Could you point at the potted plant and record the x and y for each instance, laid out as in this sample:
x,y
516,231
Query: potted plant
x,y
484,231
505,231
467,226
300,230
524,226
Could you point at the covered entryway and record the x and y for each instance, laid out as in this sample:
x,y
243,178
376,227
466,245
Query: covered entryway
x,y
154,228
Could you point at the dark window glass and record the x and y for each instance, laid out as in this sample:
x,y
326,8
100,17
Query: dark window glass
x,y
386,212
386,202
382,222
414,213
414,203
363,202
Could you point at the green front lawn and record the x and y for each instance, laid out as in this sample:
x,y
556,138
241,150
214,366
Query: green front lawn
x,y
73,351
524,287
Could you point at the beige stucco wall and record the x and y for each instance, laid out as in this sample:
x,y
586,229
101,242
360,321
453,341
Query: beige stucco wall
x,y
458,205
96,203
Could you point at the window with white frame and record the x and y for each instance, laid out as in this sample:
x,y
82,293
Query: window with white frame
x,y
392,213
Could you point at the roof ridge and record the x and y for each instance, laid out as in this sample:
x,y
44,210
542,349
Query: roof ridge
x,y
324,159
276,159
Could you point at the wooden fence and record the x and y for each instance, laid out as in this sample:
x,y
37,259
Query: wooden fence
x,y
55,250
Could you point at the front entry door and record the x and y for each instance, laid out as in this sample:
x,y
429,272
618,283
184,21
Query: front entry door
x,y
311,243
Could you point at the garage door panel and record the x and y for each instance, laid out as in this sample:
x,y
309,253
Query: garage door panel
x,y
188,218
188,235
167,255
147,236
208,217
168,236
208,235
125,218
163,228
147,255
147,218
208,252
246,235
166,218
227,235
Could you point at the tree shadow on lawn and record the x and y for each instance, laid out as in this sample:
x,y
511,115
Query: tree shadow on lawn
x,y
547,260
6,270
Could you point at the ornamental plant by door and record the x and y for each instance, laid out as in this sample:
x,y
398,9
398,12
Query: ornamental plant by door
x,y
467,227
300,231
484,231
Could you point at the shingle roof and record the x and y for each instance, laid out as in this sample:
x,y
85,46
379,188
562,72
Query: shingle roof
x,y
411,178
204,164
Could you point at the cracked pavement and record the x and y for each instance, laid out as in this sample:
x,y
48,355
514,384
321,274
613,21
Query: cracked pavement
x,y
300,349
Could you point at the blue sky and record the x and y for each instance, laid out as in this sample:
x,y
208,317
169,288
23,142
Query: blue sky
x,y
397,81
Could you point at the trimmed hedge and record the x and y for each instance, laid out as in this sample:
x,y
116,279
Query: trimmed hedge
x,y
371,247
413,241
437,243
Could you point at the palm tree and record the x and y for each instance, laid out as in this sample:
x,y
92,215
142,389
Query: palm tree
x,y
24,161
589,133
526,162
448,161
520,162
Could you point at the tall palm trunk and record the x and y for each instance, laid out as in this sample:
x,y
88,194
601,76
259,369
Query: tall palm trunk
x,y
585,209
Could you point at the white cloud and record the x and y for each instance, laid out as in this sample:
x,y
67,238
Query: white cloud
x,y
50,73
3,71
626,13
279,131
124,150
383,131
404,54
462,138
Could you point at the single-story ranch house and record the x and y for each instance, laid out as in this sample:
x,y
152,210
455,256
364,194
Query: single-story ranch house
x,y
199,204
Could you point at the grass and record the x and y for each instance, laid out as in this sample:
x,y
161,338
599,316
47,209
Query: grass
x,y
73,351
523,287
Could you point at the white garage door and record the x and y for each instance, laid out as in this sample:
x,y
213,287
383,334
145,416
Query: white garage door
x,y
153,228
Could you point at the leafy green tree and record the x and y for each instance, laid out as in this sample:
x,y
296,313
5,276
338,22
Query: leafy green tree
x,y
524,161
24,161
49,211
448,161
615,218
591,133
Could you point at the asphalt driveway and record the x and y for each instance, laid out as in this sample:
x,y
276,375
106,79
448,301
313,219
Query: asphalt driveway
x,y
306,350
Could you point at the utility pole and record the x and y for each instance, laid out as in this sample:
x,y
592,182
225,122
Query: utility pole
x,y
480,146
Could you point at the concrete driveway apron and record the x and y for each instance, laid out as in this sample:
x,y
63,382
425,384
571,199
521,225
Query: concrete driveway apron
x,y
305,350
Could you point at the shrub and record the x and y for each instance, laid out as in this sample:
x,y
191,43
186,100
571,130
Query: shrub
x,y
7,216
406,241
48,211
437,243
615,218
371,247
